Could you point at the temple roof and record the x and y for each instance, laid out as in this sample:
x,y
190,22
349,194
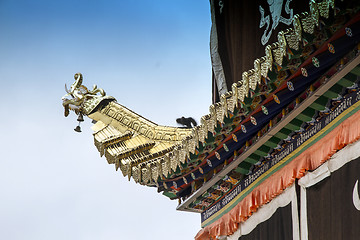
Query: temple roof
x,y
298,82
176,157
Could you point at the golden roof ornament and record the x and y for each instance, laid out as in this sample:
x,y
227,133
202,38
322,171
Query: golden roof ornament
x,y
83,101
137,146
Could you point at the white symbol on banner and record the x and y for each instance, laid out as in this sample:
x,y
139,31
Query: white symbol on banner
x,y
275,7
221,5
356,197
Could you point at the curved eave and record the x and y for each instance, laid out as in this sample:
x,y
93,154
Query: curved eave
x,y
285,125
245,129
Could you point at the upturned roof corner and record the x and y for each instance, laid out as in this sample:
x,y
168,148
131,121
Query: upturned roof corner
x,y
292,92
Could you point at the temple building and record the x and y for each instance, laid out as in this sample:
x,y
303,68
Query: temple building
x,y
278,155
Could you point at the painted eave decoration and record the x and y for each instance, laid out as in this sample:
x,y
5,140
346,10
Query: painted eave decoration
x,y
303,80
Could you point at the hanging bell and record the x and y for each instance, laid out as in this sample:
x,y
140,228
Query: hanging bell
x,y
77,129
80,118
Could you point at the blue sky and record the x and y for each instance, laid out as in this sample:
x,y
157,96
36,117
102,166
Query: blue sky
x,y
152,56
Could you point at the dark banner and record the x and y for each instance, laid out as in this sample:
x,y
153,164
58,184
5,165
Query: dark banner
x,y
333,205
245,28
293,144
278,226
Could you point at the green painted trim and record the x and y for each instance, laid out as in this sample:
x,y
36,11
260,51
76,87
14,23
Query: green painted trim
x,y
331,126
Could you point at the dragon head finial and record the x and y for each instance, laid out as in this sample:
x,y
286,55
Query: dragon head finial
x,y
82,101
